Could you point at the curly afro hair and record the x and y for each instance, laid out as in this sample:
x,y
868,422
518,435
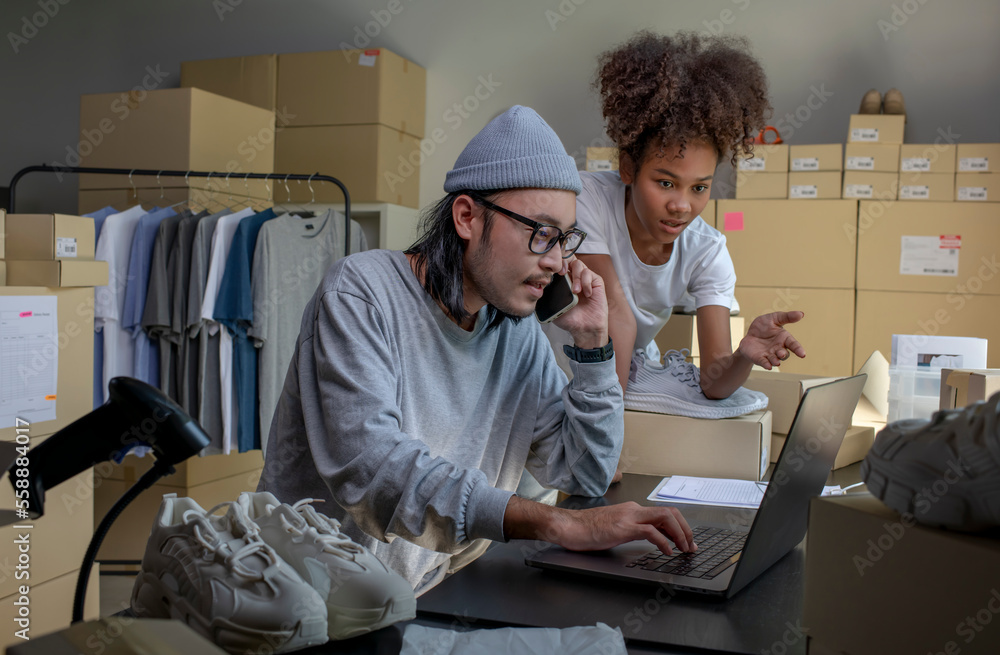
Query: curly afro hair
x,y
660,90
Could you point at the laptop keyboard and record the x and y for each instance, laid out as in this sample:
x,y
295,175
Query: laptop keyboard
x,y
715,548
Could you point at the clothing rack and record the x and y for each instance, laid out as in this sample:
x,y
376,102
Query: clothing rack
x,y
44,168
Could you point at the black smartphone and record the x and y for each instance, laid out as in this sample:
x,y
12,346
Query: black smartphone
x,y
557,299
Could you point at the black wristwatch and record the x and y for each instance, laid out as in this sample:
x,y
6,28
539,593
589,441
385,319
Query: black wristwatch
x,y
590,355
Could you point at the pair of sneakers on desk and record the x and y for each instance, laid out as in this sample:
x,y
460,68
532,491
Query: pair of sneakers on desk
x,y
674,387
264,574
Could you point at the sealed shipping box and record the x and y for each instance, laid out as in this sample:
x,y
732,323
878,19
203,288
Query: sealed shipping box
x,y
981,187
826,332
766,158
58,273
782,243
602,159
376,163
827,157
938,187
51,605
49,237
929,247
927,158
978,158
661,444
356,87
962,387
824,185
178,129
753,185
253,79
876,128
864,185
867,583
875,157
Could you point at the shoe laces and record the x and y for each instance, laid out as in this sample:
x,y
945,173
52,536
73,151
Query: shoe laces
x,y
206,534
321,528
675,361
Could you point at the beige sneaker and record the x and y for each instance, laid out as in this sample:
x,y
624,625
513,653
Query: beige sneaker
x,y
216,575
893,102
871,103
361,594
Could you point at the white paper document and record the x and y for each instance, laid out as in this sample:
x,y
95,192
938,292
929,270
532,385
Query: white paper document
x,y
29,359
719,492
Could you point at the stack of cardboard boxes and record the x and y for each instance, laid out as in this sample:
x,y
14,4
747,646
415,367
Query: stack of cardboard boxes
x,y
765,174
46,356
173,129
357,115
871,157
814,171
978,176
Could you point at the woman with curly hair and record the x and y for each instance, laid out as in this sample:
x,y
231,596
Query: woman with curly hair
x,y
675,106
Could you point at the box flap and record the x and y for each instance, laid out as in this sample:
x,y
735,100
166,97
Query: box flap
x,y
874,404
962,387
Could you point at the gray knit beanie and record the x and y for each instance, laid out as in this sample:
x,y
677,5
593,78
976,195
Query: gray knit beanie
x,y
516,150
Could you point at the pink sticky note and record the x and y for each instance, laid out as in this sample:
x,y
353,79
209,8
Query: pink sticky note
x,y
732,222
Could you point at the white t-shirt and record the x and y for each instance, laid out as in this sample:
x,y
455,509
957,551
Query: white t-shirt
x,y
699,272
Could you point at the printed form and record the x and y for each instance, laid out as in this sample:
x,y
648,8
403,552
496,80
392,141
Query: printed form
x,y
29,359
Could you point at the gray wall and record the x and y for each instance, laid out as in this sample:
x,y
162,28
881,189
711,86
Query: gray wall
x,y
943,55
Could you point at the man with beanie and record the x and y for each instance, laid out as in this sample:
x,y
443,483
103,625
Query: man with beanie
x,y
421,386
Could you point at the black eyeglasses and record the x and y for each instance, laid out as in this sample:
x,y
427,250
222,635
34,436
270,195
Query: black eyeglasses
x,y
543,237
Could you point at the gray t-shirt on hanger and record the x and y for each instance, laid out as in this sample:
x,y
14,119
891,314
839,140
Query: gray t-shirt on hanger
x,y
201,345
289,260
185,370
156,313
416,431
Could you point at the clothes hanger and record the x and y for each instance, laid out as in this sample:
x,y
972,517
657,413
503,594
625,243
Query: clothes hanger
x,y
135,192
303,212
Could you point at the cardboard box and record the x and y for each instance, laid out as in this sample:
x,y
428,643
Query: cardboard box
x,y
784,242
939,187
61,273
927,158
867,583
51,608
982,187
355,87
880,314
876,128
124,635
928,247
864,185
253,80
661,444
812,158
819,185
681,331
128,535
3,273
784,391
602,159
58,539
3,233
857,442
49,236
962,387
872,157
976,158
172,129
767,158
826,332
374,162
708,213
191,472
73,357
752,185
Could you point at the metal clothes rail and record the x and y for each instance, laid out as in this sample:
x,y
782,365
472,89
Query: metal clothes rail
x,y
185,174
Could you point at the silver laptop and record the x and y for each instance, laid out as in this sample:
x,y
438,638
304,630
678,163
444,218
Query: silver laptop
x,y
730,556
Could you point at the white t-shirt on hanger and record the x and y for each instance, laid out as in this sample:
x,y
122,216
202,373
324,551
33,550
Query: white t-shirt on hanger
x,y
222,240
114,247
700,271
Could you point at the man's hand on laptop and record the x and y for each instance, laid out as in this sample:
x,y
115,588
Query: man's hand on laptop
x,y
598,528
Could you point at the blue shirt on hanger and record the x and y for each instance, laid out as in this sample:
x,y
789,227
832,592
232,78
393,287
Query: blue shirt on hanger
x,y
234,310
146,365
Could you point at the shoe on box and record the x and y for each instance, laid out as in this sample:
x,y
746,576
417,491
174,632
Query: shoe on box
x,y
893,102
945,471
216,574
871,102
675,388
361,594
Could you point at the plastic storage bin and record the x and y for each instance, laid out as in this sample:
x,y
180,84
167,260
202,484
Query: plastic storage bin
x,y
914,392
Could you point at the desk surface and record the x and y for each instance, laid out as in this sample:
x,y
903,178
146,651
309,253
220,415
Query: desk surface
x,y
498,589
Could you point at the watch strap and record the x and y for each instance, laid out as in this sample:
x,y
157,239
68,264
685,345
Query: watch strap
x,y
590,355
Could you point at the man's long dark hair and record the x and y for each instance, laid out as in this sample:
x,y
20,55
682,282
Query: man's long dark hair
x,y
439,254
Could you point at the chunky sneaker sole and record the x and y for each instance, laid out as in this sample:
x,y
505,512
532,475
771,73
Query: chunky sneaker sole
x,y
217,575
361,593
945,472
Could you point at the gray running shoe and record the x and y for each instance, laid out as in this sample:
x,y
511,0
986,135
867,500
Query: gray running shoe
x,y
945,471
675,388
216,575
361,594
